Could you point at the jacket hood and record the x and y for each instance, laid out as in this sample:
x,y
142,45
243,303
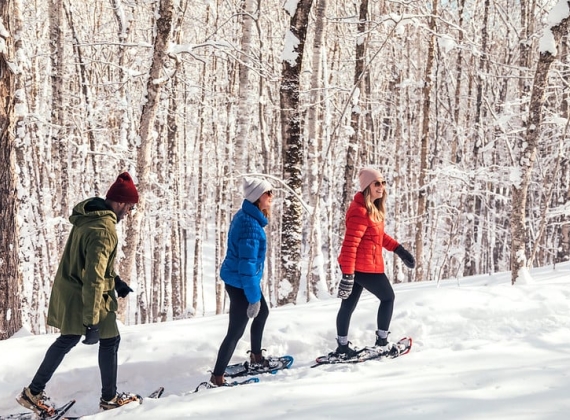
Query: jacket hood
x,y
91,210
359,198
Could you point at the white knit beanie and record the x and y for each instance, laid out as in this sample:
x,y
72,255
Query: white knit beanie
x,y
366,176
254,188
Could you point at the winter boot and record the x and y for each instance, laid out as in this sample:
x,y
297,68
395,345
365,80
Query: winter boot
x,y
122,398
218,380
381,338
257,359
381,342
344,350
38,403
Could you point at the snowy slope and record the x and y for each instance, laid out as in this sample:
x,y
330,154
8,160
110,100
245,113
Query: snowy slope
x,y
482,349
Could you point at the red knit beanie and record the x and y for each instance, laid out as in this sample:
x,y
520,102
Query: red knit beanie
x,y
123,190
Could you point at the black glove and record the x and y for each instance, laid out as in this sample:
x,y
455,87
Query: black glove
x,y
405,256
345,286
91,334
121,287
253,309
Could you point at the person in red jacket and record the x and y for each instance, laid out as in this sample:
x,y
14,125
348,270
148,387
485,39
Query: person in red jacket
x,y
361,259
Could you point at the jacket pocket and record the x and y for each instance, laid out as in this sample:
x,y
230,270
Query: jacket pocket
x,y
111,304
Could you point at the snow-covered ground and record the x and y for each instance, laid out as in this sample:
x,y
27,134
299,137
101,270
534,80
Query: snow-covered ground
x,y
483,349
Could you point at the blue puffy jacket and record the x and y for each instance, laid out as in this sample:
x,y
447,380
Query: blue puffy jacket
x,y
245,257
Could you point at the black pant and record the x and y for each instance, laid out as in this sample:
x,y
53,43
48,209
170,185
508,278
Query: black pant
x,y
108,349
237,325
379,286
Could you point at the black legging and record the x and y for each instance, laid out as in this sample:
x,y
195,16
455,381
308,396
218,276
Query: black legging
x,y
108,349
237,325
379,286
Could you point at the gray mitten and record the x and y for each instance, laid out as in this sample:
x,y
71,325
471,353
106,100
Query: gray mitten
x,y
345,286
253,309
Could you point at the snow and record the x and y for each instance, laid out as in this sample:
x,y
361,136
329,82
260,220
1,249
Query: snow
x,y
290,53
482,349
559,12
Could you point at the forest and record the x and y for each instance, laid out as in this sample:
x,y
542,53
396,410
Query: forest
x,y
461,104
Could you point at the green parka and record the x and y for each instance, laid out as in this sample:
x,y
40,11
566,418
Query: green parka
x,y
83,291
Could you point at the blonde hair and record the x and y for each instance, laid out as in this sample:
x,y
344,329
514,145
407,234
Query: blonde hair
x,y
377,209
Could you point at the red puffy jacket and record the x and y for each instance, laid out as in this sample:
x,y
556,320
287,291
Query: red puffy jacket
x,y
363,241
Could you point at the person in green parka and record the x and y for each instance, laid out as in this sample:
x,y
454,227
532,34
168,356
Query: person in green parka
x,y
84,295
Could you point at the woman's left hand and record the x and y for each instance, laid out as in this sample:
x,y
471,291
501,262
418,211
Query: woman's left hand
x,y
405,256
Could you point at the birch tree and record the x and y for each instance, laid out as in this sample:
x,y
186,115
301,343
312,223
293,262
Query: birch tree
x,y
244,102
316,278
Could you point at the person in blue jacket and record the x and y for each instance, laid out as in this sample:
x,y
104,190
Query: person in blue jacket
x,y
242,271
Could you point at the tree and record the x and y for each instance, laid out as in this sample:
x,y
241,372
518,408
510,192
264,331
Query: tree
x,y
10,277
147,120
425,147
291,132
527,146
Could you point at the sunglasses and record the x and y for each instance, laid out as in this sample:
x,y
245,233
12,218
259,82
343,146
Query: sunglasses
x,y
269,193
378,183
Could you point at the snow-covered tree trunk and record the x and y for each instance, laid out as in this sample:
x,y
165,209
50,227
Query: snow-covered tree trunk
x,y
291,133
527,147
10,275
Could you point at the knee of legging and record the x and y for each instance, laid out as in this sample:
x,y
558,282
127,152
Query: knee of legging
x,y
68,341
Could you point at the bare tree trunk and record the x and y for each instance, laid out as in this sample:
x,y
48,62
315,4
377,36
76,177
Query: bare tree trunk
x,y
455,151
356,111
174,259
148,115
291,132
59,140
473,202
126,129
527,148
10,276
425,147
86,91
315,276
197,272
158,238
